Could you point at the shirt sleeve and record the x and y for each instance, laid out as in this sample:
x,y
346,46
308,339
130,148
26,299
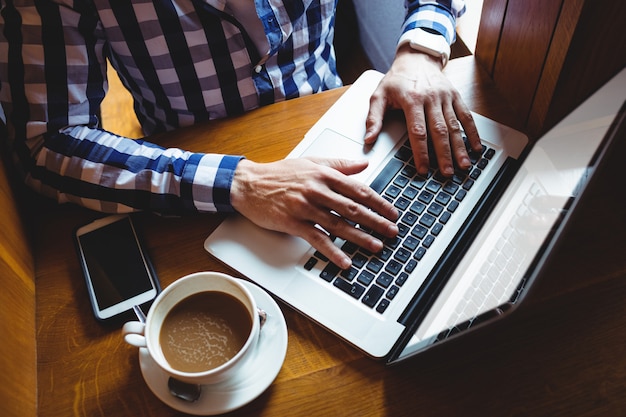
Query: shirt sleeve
x,y
109,173
438,16
52,82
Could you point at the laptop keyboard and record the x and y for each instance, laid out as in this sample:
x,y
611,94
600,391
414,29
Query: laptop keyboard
x,y
498,273
426,204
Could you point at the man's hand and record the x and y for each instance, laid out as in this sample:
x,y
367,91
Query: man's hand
x,y
431,105
297,196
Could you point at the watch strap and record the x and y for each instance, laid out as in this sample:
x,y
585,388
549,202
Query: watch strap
x,y
430,43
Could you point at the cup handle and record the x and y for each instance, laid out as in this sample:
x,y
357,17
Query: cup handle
x,y
262,316
133,332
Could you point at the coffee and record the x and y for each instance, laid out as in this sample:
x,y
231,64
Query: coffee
x,y
204,331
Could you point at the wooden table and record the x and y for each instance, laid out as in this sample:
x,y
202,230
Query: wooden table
x,y
562,353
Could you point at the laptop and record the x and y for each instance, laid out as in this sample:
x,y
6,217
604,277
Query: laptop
x,y
469,246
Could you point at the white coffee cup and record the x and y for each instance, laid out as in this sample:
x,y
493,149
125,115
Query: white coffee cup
x,y
147,335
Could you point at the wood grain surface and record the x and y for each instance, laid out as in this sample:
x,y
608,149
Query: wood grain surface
x,y
562,353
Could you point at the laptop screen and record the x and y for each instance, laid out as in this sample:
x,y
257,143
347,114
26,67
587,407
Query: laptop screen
x,y
520,235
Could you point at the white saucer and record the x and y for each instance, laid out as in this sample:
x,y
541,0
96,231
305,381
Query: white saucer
x,y
250,383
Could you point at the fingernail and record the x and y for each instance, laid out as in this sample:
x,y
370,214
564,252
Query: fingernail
x,y
346,263
376,245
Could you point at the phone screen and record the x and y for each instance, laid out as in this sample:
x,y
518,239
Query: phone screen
x,y
116,267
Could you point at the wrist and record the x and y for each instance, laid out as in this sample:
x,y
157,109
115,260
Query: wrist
x,y
410,59
426,42
239,183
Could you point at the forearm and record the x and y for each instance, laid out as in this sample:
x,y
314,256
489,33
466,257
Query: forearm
x,y
108,173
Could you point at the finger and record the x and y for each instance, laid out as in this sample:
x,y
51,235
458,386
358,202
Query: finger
x,y
345,166
338,226
322,242
358,194
418,137
317,234
440,136
374,120
361,204
457,145
464,115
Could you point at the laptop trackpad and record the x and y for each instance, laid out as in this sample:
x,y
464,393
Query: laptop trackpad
x,y
330,144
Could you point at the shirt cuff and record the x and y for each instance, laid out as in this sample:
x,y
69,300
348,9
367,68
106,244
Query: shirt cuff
x,y
434,18
212,179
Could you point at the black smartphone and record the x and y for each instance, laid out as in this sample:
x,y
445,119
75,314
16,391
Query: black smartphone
x,y
116,266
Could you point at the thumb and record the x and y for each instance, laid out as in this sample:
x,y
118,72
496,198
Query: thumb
x,y
345,166
374,121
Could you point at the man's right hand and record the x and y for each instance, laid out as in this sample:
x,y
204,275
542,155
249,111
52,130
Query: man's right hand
x,y
296,195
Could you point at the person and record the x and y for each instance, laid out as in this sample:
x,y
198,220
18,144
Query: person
x,y
186,61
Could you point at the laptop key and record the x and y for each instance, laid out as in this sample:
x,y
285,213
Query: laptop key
x,y
321,256
402,255
402,203
427,220
409,218
372,296
393,267
402,278
386,175
359,260
385,253
450,188
443,198
418,182
410,266
403,229
433,186
401,181
419,231
384,279
329,272
393,191
355,290
404,153
382,306
310,264
426,196
411,243
419,253
418,207
409,171
349,247
349,274
428,241
392,292
365,278
374,265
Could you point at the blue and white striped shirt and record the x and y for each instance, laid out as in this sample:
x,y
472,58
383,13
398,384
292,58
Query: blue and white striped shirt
x,y
184,61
